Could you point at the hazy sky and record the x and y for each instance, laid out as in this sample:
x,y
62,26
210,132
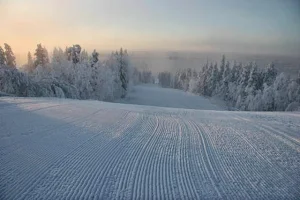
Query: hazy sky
x,y
246,26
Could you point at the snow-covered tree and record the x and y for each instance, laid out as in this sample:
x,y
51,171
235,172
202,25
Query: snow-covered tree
x,y
254,81
298,78
165,79
222,68
246,74
224,88
29,66
2,57
214,79
76,53
9,56
95,59
123,66
29,60
84,56
255,102
293,91
281,94
270,74
41,56
73,53
55,55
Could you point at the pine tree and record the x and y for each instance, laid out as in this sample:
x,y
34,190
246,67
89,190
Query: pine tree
x,y
95,59
75,53
245,74
243,82
226,72
9,55
29,61
55,55
209,76
268,98
222,68
298,78
67,53
2,57
214,78
41,56
122,61
280,85
253,81
293,91
225,81
84,55
270,74
234,73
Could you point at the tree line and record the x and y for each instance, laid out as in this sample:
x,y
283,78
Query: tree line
x,y
70,73
242,86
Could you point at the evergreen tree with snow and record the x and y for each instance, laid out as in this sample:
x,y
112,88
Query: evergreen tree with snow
x,y
123,66
214,78
241,89
67,53
234,72
226,72
2,57
222,68
95,59
254,80
270,74
9,56
76,53
281,100
41,56
298,78
293,91
29,62
55,55
73,53
224,88
84,56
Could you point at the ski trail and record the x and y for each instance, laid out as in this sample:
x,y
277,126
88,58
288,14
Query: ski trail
x,y
223,175
206,160
293,142
281,152
137,179
98,150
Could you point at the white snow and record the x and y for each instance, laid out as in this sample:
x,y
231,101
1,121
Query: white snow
x,y
154,95
70,149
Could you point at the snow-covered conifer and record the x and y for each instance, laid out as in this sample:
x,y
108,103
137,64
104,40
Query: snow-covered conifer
x,y
95,58
270,74
30,64
9,56
2,57
41,56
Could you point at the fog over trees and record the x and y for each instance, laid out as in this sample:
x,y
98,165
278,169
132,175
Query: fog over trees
x,y
242,86
73,73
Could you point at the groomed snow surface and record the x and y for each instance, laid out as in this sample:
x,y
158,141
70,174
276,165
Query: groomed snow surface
x,y
72,149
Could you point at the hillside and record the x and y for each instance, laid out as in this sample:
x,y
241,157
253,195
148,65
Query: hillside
x,y
70,149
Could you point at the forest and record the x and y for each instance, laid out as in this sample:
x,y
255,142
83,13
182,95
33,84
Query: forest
x,y
245,87
70,73
73,73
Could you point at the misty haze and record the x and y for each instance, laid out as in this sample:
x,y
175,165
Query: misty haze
x,y
148,99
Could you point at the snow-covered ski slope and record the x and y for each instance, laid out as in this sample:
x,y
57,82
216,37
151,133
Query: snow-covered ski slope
x,y
154,95
71,149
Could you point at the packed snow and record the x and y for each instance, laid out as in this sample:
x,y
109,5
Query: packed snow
x,y
154,95
81,149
